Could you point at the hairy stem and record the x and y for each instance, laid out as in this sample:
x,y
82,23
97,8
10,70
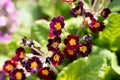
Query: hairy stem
x,y
81,26
53,67
95,4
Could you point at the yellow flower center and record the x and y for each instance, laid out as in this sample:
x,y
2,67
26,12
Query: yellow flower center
x,y
34,65
58,26
9,67
96,25
45,72
88,20
71,52
18,75
103,13
54,44
78,11
22,54
72,42
83,49
56,57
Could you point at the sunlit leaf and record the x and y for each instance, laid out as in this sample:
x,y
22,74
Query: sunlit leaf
x,y
110,36
115,5
91,68
39,33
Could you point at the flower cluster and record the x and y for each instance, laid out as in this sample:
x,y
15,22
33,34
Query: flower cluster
x,y
8,20
22,64
89,16
43,64
74,47
56,27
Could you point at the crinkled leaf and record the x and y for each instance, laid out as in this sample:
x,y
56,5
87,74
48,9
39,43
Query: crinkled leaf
x,y
91,68
115,65
73,24
39,32
115,5
102,52
110,36
47,7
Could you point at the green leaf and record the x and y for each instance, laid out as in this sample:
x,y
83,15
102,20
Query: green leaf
x,y
47,7
39,32
33,77
91,68
73,24
110,36
114,5
28,12
115,65
103,53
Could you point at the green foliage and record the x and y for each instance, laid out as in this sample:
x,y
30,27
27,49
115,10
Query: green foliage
x,y
110,36
28,12
91,68
115,5
39,32
100,65
73,24
47,7
53,8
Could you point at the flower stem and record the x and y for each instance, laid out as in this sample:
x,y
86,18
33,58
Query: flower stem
x,y
53,67
40,52
90,3
95,4
81,26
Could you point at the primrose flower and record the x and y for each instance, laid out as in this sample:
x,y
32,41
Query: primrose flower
x,y
20,54
53,44
78,10
96,26
105,12
56,25
71,40
8,66
33,64
45,73
57,58
70,52
84,49
17,74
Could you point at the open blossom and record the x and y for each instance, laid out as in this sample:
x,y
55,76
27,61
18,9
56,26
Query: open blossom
x,y
9,66
17,74
78,10
84,49
57,58
8,20
53,44
94,24
71,40
20,54
105,12
33,64
45,73
56,25
70,52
